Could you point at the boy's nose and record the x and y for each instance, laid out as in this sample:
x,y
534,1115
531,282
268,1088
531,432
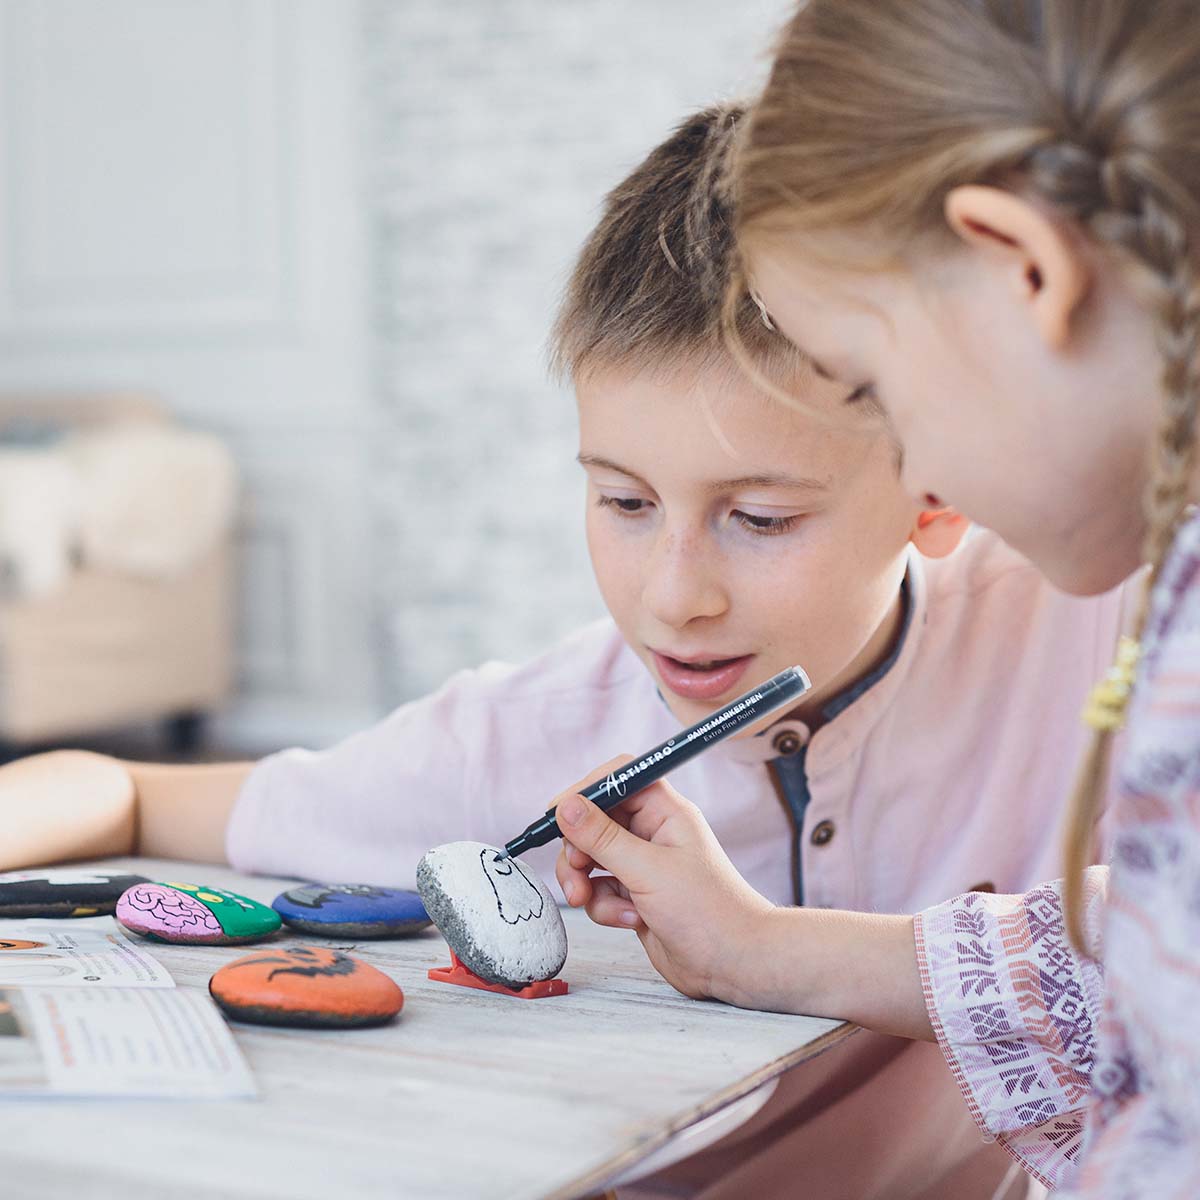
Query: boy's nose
x,y
682,583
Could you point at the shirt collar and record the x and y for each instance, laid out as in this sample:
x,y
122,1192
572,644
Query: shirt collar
x,y
856,709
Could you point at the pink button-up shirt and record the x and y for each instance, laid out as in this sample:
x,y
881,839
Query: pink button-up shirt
x,y
943,776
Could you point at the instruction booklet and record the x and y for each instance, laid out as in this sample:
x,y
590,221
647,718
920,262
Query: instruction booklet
x,y
43,954
86,1012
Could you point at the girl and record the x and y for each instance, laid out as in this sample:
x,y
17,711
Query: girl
x,y
984,213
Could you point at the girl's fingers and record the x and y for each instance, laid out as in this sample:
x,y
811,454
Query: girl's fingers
x,y
644,813
618,839
661,814
607,885
610,905
609,843
576,884
576,858
573,866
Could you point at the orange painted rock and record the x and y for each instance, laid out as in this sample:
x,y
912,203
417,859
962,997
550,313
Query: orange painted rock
x,y
305,985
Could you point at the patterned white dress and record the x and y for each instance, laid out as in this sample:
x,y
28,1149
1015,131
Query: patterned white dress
x,y
1088,1070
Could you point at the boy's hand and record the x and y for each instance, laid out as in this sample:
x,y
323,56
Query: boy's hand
x,y
69,804
670,882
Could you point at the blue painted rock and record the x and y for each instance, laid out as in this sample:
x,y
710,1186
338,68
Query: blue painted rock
x,y
305,986
194,914
62,892
352,910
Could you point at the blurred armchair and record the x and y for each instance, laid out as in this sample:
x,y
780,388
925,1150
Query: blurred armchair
x,y
107,619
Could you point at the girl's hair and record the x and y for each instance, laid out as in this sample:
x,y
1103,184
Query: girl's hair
x,y
876,109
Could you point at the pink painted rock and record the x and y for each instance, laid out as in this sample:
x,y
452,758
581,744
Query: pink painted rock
x,y
195,914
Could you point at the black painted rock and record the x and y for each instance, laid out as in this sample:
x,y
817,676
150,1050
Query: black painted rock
x,y
352,910
62,892
310,986
495,914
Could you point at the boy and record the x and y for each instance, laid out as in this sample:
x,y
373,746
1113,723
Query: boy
x,y
732,536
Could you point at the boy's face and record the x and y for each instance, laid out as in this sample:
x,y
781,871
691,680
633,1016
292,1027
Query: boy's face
x,y
733,536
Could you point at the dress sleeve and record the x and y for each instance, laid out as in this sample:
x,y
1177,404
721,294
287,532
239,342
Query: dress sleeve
x,y
1016,1009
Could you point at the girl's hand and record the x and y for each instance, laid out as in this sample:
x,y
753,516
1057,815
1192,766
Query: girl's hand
x,y
671,883
68,804
710,934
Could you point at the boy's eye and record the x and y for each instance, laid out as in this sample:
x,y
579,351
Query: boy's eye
x,y
625,504
764,525
864,391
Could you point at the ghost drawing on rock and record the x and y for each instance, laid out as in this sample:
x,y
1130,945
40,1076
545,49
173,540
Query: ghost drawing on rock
x,y
516,897
496,915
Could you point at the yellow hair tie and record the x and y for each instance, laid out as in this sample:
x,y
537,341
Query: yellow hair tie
x,y
1107,701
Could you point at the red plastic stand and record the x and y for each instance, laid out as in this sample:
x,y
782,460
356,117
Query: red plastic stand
x,y
465,977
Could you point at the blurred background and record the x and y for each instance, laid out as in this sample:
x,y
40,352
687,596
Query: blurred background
x,y
277,446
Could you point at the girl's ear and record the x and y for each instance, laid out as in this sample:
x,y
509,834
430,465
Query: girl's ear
x,y
938,532
1045,267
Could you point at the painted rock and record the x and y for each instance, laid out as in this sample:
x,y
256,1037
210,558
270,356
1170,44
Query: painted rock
x,y
305,985
495,914
351,910
62,892
193,913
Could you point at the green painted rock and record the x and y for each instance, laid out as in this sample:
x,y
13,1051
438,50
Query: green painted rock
x,y
194,914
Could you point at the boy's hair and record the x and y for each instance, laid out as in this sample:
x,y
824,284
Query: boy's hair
x,y
648,284
876,109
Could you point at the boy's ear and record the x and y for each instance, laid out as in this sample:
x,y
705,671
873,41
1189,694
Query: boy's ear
x,y
1046,269
938,532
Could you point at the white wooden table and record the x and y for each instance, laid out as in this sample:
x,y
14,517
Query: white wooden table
x,y
467,1094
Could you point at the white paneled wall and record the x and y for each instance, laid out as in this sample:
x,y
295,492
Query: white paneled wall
x,y
334,232
146,195
181,211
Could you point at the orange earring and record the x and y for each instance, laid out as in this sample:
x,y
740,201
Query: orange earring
x,y
929,516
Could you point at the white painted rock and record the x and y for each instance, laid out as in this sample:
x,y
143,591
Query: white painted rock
x,y
496,915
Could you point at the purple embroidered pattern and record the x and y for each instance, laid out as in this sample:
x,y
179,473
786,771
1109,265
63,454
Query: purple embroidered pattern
x,y
1016,1011
1093,1082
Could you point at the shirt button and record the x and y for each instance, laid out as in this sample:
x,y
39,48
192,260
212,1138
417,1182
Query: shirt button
x,y
787,743
822,833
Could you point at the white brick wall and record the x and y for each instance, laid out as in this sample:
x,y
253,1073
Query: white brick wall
x,y
496,128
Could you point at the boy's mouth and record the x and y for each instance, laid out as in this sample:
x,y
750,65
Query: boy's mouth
x,y
700,678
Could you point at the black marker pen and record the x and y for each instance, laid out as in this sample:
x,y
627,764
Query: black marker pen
x,y
641,772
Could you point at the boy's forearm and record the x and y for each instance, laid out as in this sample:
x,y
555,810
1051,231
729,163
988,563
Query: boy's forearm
x,y
63,806
858,966
182,809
